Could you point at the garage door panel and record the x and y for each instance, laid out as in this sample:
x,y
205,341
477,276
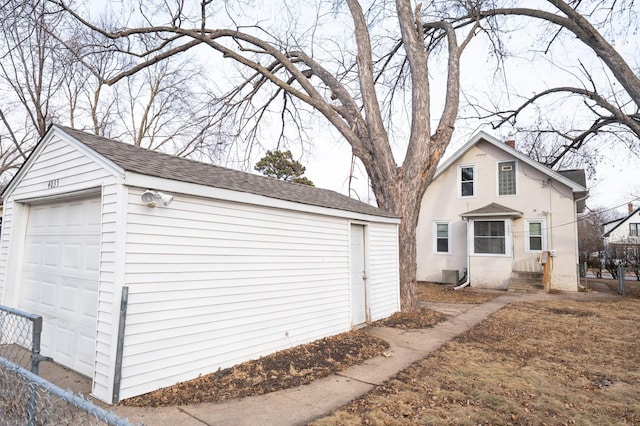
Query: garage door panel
x,y
89,305
48,294
71,257
60,278
92,257
33,253
37,218
64,343
75,212
30,291
54,216
51,255
46,339
68,302
86,353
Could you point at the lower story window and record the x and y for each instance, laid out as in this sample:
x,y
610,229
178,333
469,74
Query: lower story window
x,y
535,236
442,237
489,237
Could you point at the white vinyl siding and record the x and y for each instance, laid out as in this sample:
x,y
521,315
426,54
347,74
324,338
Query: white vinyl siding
x,y
624,230
5,238
214,283
108,302
383,278
72,172
54,166
211,282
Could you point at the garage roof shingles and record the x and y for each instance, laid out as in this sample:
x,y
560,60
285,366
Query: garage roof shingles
x,y
153,163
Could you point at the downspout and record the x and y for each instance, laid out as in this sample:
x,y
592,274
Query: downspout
x,y
468,273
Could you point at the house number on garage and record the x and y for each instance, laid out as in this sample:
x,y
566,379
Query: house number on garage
x,y
53,183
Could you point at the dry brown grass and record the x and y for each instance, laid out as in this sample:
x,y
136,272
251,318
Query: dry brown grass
x,y
432,292
545,363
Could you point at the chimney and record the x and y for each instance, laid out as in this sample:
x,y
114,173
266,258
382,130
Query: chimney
x,y
511,143
630,206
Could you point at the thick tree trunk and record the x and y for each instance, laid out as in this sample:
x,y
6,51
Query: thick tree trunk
x,y
408,263
405,195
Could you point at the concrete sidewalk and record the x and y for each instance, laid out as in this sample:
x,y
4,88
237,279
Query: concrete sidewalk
x,y
306,403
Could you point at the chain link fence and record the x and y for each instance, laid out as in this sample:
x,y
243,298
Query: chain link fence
x,y
20,337
27,399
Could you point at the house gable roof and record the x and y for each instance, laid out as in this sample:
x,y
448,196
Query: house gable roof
x,y
493,210
620,223
576,185
152,163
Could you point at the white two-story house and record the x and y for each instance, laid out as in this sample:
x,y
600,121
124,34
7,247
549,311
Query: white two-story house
x,y
495,216
622,236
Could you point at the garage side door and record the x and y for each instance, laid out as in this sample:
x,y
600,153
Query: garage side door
x,y
60,278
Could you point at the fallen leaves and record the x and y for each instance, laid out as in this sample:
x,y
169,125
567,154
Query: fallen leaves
x,y
424,318
281,370
433,292
285,369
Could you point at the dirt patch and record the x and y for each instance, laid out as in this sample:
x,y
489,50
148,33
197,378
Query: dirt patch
x,y
555,363
424,318
285,369
432,292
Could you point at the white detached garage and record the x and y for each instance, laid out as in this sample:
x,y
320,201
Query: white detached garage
x,y
140,295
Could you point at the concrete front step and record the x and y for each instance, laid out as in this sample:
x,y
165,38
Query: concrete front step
x,y
526,288
526,282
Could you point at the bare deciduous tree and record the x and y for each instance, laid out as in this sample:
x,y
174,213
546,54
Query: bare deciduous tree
x,y
286,75
611,100
27,80
53,70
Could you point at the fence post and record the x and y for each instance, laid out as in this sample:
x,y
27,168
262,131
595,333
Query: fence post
x,y
586,272
621,279
35,349
35,369
124,302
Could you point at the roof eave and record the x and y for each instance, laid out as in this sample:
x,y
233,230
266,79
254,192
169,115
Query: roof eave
x,y
482,135
512,215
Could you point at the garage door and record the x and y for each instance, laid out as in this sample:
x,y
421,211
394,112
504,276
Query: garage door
x,y
60,278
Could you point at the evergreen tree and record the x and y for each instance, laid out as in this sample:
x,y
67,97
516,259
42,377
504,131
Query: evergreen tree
x,y
281,165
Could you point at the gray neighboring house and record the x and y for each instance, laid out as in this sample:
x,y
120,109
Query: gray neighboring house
x,y
218,266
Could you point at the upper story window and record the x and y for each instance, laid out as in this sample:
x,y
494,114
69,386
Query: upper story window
x,y
634,229
442,237
467,181
507,178
489,237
